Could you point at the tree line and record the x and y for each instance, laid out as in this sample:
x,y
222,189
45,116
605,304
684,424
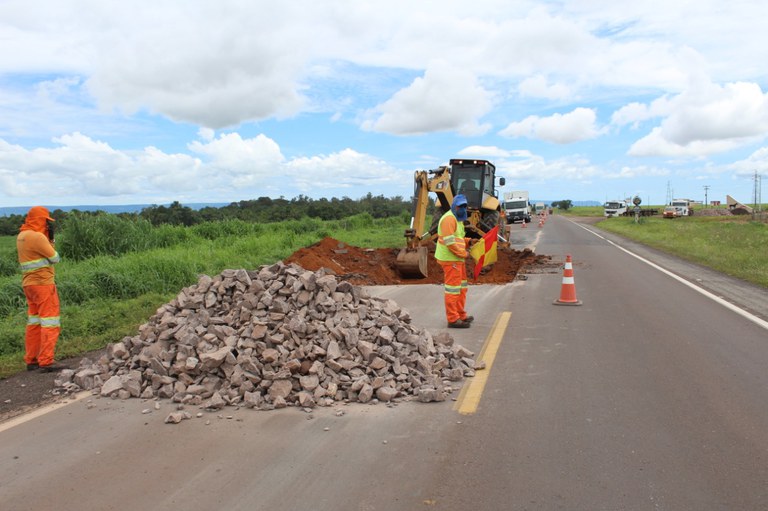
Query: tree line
x,y
261,210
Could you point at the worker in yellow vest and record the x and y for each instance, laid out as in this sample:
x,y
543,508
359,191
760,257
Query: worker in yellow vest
x,y
37,257
451,253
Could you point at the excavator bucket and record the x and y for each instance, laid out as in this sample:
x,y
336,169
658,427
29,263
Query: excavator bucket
x,y
412,263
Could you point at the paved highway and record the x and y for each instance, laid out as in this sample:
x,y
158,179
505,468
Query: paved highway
x,y
650,395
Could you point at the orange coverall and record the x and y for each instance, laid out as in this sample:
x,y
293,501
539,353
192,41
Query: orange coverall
x,y
37,257
451,253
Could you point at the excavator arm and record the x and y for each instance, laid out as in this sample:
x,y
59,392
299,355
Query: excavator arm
x,y
412,261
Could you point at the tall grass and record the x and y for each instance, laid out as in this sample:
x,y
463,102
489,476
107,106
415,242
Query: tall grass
x,y
9,263
106,296
86,236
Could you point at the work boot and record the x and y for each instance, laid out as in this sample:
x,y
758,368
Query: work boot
x,y
469,319
33,366
458,324
52,368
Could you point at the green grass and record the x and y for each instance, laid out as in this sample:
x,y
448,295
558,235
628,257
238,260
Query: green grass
x,y
732,245
581,211
107,297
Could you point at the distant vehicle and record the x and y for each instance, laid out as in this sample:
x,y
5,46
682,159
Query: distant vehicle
x,y
540,207
684,206
517,206
670,212
627,207
616,208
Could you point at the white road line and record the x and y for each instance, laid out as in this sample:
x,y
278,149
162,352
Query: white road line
x,y
728,305
532,246
20,419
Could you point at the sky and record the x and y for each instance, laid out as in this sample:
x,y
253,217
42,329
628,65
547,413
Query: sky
x,y
108,102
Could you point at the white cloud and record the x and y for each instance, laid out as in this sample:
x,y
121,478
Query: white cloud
x,y
538,87
445,99
344,169
228,168
706,119
79,166
755,162
492,152
632,172
230,153
575,126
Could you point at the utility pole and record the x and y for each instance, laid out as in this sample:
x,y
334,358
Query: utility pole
x,y
669,193
706,189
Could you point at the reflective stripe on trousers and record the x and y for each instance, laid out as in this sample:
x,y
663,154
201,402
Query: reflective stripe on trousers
x,y
455,289
43,324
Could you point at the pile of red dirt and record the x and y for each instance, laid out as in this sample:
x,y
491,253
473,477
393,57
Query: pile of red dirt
x,y
376,267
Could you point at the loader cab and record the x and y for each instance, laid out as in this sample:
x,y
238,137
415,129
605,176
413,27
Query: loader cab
x,y
475,179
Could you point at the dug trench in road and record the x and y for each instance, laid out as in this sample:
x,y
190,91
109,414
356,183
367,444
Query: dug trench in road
x,y
376,267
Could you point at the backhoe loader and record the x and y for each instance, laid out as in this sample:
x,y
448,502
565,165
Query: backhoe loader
x,y
476,179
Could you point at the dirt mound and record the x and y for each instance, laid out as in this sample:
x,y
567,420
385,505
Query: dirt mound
x,y
376,267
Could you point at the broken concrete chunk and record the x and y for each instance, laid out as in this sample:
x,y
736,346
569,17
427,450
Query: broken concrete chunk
x,y
279,336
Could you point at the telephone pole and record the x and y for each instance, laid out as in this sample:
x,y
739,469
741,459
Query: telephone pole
x,y
706,189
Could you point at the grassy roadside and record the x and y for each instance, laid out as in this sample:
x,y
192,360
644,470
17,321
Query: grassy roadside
x,y
106,298
734,245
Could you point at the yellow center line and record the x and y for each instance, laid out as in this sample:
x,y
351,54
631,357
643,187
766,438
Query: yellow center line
x,y
469,397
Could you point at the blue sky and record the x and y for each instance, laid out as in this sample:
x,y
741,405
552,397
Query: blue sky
x,y
105,102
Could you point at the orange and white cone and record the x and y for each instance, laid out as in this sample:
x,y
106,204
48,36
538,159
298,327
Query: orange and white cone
x,y
524,224
568,289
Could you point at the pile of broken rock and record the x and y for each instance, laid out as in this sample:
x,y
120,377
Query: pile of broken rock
x,y
279,336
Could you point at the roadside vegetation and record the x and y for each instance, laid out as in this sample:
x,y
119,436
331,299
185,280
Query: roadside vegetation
x,y
116,272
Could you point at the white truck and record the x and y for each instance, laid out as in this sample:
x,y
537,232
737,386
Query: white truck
x,y
684,207
517,206
617,208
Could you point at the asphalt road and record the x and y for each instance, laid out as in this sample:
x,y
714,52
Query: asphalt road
x,y
650,395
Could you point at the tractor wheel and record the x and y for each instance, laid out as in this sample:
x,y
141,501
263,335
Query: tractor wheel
x,y
490,220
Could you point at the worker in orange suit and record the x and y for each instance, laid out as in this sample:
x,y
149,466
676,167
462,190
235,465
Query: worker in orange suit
x,y
37,255
451,253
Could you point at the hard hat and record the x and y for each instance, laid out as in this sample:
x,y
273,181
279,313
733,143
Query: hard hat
x,y
459,200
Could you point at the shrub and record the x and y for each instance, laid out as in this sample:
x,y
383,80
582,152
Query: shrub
x,y
86,236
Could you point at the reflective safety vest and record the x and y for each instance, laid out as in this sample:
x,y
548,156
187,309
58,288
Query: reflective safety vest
x,y
36,257
450,238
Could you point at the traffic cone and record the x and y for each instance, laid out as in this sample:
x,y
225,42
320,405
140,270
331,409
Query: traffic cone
x,y
524,224
541,222
568,289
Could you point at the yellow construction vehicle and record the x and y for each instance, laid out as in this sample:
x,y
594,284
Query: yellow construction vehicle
x,y
476,180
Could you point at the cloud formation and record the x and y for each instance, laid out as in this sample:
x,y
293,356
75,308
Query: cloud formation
x,y
444,99
574,126
138,101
